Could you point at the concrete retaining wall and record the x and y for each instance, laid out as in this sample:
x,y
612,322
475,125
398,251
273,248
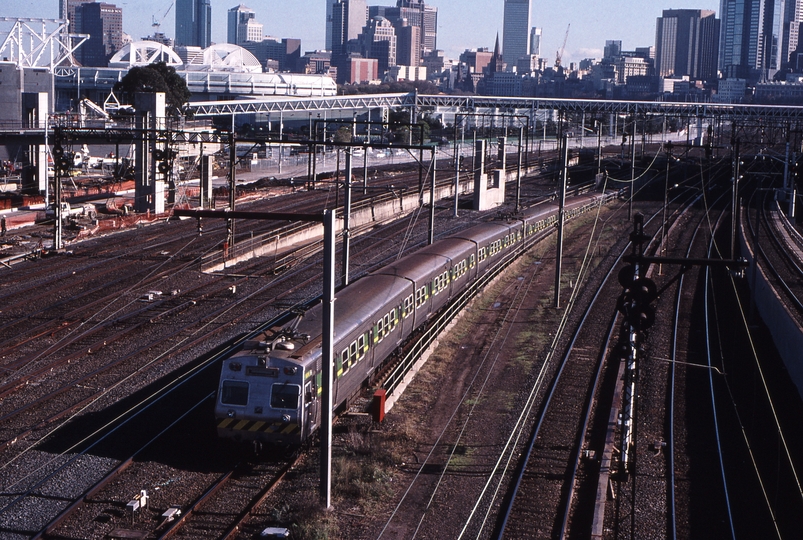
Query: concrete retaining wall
x,y
786,333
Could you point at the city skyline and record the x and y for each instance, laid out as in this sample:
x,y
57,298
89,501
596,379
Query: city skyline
x,y
460,25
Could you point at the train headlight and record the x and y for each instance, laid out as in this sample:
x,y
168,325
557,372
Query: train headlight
x,y
231,414
286,418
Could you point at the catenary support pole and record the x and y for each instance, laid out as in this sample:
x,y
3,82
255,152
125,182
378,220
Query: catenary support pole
x,y
327,343
346,218
561,219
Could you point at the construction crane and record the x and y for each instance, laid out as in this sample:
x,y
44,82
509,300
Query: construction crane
x,y
157,23
559,56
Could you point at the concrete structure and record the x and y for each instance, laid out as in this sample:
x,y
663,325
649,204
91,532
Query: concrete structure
x,y
149,182
104,25
243,26
194,23
686,43
516,31
486,196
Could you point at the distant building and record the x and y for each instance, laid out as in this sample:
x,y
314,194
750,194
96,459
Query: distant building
x,y
408,44
731,91
194,23
348,19
516,31
358,70
612,51
476,60
379,41
284,53
535,41
751,38
686,43
104,24
406,73
315,62
243,26
67,11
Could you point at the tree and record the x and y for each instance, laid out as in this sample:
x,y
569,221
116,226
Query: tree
x,y
158,77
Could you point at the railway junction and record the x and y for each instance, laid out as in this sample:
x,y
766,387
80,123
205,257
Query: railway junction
x,y
517,425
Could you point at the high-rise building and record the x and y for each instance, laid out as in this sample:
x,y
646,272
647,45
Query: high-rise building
x,y
535,41
193,23
243,26
408,44
516,31
329,14
67,11
414,13
104,24
751,38
686,44
379,41
613,50
793,17
348,19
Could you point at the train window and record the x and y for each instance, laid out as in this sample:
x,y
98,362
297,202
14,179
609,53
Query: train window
x,y
353,352
407,306
471,261
234,393
285,396
362,345
421,296
379,330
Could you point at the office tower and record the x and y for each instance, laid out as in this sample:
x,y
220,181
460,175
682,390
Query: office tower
x,y
67,11
516,31
348,20
329,12
686,43
379,42
429,25
613,49
751,38
193,23
243,26
408,44
535,41
104,24
792,17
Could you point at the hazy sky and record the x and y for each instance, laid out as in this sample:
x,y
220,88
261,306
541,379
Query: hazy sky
x,y
462,23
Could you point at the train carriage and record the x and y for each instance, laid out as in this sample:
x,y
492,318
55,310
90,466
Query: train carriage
x,y
270,390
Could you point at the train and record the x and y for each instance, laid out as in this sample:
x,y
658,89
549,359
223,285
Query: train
x,y
269,392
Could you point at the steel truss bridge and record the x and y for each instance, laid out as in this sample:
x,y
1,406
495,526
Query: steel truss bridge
x,y
501,105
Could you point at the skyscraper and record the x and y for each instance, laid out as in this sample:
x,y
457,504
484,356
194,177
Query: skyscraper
x,y
793,16
193,23
751,38
516,31
348,19
243,26
67,11
104,24
686,43
535,41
